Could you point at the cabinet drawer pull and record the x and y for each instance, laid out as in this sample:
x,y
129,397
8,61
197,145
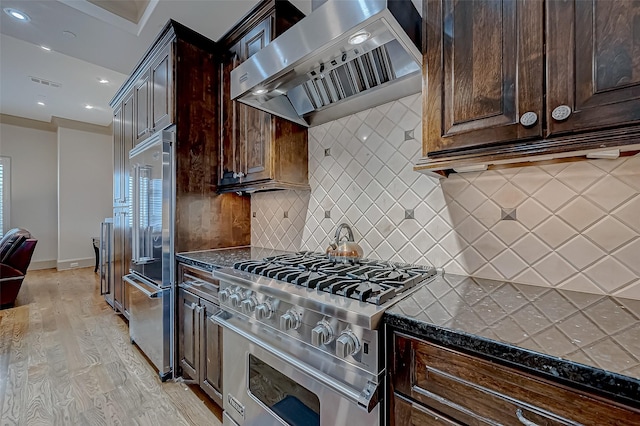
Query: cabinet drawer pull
x,y
528,119
561,113
523,420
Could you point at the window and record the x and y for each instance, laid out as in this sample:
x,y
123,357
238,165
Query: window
x,y
5,193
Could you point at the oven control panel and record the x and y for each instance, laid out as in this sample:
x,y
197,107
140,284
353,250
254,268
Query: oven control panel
x,y
337,338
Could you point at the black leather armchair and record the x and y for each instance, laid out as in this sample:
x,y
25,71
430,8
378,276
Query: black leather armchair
x,y
16,250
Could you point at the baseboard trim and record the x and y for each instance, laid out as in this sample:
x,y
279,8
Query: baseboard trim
x,y
42,264
76,263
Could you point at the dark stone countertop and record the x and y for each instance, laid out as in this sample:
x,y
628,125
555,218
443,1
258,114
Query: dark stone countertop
x,y
588,341
226,257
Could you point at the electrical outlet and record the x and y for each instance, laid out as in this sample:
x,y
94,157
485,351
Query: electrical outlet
x,y
74,264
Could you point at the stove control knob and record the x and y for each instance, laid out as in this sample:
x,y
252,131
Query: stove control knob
x,y
321,334
289,321
264,311
235,299
347,344
248,305
224,295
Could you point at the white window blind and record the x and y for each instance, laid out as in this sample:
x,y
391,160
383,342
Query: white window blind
x,y
5,193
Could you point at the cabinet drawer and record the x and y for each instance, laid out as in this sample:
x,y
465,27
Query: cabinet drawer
x,y
199,282
476,392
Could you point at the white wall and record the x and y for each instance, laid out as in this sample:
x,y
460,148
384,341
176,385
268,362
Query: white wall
x,y
84,193
33,187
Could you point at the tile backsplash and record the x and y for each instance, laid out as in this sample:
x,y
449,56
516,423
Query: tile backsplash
x,y
574,225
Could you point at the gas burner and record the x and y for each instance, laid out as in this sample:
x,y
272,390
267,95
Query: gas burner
x,y
367,280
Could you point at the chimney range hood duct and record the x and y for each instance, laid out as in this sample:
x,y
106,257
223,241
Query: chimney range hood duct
x,y
316,71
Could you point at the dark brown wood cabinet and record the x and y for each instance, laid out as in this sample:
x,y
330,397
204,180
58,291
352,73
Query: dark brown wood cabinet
x,y
174,87
188,327
253,141
141,107
434,385
593,64
161,90
484,68
199,337
508,79
153,94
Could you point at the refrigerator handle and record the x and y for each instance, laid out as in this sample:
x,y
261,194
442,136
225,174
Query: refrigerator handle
x,y
135,229
101,259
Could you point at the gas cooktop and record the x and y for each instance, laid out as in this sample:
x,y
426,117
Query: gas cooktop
x,y
370,281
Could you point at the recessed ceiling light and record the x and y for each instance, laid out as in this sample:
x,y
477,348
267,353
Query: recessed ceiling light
x,y
359,37
69,34
16,14
48,49
103,80
88,106
40,103
260,91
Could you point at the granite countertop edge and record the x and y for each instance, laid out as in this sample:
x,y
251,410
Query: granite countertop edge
x,y
612,385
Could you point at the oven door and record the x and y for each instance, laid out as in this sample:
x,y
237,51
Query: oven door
x,y
266,386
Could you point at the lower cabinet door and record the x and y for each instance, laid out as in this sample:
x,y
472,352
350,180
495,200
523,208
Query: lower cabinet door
x,y
211,353
189,333
406,413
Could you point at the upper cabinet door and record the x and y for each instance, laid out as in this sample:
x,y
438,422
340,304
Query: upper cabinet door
x,y
141,105
255,125
593,54
162,90
483,72
256,39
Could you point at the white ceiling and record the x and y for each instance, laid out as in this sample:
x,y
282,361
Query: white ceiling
x,y
105,46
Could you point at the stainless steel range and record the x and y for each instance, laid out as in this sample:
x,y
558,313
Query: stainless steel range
x,y
302,338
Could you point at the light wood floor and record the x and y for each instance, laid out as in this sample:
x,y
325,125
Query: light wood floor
x,y
65,358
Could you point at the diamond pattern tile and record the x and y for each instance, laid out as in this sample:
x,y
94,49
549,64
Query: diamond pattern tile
x,y
610,233
570,216
609,274
609,193
580,213
555,194
580,252
580,175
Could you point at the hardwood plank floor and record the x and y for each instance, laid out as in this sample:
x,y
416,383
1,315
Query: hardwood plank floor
x,y
66,359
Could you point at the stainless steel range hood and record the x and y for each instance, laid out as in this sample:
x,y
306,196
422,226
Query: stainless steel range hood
x,y
315,73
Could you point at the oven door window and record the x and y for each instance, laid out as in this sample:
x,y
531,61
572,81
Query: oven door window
x,y
293,403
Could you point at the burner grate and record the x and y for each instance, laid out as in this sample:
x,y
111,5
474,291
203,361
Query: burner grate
x,y
368,280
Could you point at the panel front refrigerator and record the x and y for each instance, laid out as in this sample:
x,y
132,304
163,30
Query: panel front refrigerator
x,y
149,283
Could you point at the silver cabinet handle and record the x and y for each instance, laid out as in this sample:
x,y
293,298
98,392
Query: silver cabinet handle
x,y
235,175
528,119
523,420
561,112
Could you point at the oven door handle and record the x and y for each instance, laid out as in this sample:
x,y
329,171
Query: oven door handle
x,y
366,399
